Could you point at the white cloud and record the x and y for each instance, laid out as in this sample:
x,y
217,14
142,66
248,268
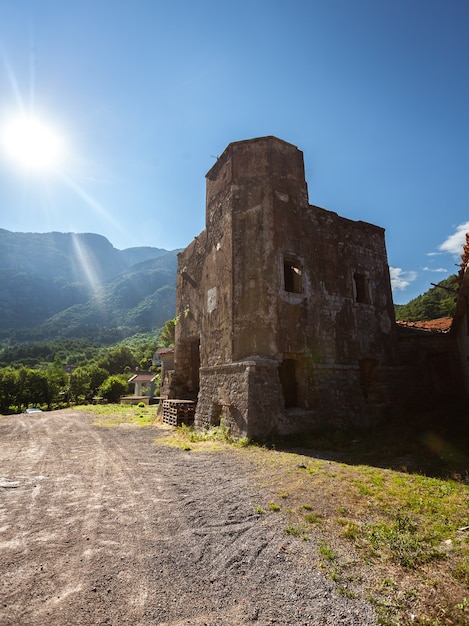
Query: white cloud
x,y
401,279
454,243
440,270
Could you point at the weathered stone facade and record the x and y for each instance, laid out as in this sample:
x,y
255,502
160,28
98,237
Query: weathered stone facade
x,y
460,327
285,312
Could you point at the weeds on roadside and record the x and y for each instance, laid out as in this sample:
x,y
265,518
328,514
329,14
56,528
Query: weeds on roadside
x,y
313,518
402,540
326,552
219,433
463,606
110,415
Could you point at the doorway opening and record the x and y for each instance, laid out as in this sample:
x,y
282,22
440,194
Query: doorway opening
x,y
288,379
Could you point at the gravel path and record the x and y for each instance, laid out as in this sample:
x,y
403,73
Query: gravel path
x,y
105,526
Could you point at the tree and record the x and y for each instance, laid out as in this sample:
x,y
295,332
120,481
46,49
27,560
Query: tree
x,y
113,388
167,335
97,376
80,384
7,388
116,360
20,395
145,364
57,381
36,387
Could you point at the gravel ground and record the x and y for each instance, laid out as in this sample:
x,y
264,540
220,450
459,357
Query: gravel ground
x,y
105,526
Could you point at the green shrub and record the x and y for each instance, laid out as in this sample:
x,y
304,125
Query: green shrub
x,y
113,388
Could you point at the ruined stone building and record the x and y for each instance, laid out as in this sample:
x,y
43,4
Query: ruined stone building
x,y
285,312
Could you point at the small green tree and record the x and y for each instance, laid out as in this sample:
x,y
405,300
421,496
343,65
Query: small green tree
x,y
144,364
80,384
167,335
58,382
35,387
21,391
113,388
97,376
7,389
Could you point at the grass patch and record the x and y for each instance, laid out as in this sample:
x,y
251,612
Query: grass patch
x,y
403,537
215,438
326,552
111,415
313,518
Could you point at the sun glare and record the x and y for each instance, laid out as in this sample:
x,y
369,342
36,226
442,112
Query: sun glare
x,y
32,144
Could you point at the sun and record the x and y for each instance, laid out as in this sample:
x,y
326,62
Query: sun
x,y
32,144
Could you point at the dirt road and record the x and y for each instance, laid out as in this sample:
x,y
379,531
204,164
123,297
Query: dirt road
x,y
106,526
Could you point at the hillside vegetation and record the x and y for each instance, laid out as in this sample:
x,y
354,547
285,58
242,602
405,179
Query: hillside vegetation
x,y
436,302
61,286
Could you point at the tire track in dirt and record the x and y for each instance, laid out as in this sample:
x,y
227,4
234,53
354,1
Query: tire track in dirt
x,y
223,564
126,531
123,477
50,474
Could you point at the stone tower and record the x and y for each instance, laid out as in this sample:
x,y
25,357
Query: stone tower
x,y
286,319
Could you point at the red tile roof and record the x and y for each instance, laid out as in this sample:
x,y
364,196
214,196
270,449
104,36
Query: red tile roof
x,y
440,325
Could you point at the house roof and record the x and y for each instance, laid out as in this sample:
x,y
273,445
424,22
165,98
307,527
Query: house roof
x,y
440,325
142,377
161,351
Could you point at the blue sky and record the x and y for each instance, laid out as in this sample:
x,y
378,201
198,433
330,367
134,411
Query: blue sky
x,y
145,94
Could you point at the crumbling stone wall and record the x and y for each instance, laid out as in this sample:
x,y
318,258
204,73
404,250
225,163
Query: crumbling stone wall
x,y
431,367
246,395
460,328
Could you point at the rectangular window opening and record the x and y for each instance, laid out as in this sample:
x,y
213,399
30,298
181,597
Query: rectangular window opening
x,y
362,288
217,415
293,276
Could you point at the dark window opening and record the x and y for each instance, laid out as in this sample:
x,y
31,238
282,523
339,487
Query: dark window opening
x,y
217,415
288,380
362,288
368,375
293,276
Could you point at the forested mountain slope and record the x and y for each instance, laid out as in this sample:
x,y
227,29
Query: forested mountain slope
x,y
61,285
436,302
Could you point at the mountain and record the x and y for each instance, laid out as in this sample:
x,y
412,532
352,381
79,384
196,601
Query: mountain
x,y
439,301
61,285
